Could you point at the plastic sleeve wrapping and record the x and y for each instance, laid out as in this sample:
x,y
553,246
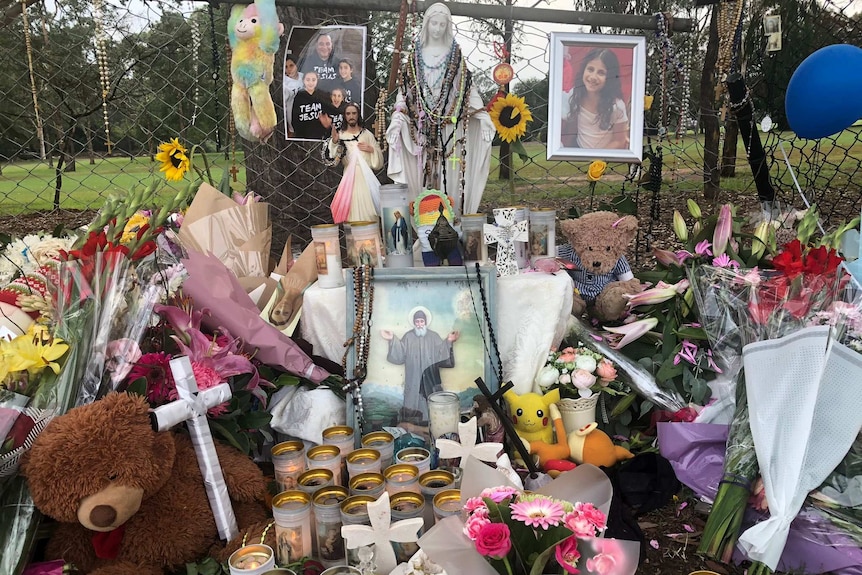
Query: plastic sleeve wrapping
x,y
191,407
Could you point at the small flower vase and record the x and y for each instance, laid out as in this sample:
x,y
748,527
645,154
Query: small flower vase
x,y
577,413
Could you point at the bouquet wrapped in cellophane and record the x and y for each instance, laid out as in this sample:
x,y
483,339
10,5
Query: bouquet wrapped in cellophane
x,y
762,327
510,532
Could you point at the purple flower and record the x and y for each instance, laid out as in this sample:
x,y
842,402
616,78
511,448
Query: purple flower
x,y
724,261
702,248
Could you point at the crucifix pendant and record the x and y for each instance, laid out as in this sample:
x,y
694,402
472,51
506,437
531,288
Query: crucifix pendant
x,y
233,171
455,160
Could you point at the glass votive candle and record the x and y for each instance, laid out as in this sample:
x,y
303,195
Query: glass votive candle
x,y
327,254
313,479
418,456
543,233
363,460
327,457
382,441
446,503
366,241
342,570
354,511
395,223
406,505
343,437
280,571
522,213
251,560
473,237
288,461
444,413
402,477
350,248
292,513
430,484
327,524
371,484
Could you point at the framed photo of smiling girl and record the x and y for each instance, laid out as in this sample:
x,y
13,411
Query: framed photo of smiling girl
x,y
596,99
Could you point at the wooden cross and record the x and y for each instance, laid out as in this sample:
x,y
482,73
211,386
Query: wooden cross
x,y
233,171
508,427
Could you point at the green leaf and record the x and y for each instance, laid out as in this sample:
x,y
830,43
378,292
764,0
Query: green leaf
x,y
646,407
519,149
697,333
541,561
668,370
286,379
624,404
625,418
138,387
229,431
700,392
254,420
224,184
622,204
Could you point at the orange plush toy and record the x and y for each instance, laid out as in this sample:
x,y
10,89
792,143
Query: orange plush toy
x,y
592,445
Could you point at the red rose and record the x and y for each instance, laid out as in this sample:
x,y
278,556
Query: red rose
x,y
494,540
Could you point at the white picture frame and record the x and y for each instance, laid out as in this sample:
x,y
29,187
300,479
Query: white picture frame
x,y
610,140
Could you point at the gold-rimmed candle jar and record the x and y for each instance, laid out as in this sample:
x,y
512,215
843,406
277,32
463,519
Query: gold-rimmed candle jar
x,y
543,233
430,484
327,457
313,479
418,456
251,560
354,511
327,253
366,239
327,519
384,442
446,503
402,477
344,437
406,505
371,484
473,237
363,460
288,461
292,513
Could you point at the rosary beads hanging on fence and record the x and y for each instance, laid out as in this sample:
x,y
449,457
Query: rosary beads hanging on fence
x,y
360,338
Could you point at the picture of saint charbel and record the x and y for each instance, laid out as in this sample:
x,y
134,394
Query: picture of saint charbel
x,y
422,352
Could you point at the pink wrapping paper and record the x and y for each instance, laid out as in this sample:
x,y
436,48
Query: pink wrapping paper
x,y
212,286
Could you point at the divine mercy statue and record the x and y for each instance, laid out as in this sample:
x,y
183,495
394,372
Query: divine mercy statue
x,y
440,135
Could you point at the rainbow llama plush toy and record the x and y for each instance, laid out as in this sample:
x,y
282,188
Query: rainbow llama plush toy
x,y
253,32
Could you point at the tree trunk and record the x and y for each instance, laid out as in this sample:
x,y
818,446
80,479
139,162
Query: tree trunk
x,y
505,172
709,115
728,152
71,163
88,134
290,175
58,172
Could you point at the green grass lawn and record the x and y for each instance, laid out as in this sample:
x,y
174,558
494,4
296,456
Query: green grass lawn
x,y
29,186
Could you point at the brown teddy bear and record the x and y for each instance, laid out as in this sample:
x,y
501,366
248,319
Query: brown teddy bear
x,y
602,276
130,500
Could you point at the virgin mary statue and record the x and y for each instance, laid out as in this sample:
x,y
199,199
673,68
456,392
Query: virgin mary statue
x,y
440,134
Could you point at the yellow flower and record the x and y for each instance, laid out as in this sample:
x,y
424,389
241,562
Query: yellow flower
x,y
596,170
135,223
510,115
34,351
174,160
648,101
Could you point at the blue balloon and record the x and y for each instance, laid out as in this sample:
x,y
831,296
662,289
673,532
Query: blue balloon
x,y
824,95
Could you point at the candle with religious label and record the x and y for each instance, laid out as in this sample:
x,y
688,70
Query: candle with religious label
x,y
288,461
418,456
313,479
406,506
327,519
344,438
366,239
395,219
354,511
382,441
430,484
327,253
292,513
371,484
446,503
251,560
350,249
326,457
543,233
402,477
363,460
472,236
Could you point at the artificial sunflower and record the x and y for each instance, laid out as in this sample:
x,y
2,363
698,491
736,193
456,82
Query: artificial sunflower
x,y
510,115
174,159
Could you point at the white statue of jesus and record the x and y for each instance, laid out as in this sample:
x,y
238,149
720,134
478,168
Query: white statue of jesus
x,y
436,106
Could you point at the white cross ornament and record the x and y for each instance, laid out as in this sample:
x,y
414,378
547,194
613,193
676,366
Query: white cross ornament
x,y
381,532
505,233
468,433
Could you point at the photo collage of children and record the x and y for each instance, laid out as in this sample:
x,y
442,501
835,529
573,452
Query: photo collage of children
x,y
324,68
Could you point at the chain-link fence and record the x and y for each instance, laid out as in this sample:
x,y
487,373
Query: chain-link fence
x,y
90,88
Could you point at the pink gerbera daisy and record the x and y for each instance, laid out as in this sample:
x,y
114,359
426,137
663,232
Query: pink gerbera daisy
x,y
538,511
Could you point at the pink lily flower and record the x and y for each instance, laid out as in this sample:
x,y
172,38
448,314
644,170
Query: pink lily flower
x,y
666,257
661,293
631,331
702,248
683,255
723,229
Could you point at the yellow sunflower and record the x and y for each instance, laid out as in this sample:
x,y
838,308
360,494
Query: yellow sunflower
x,y
510,115
175,162
133,226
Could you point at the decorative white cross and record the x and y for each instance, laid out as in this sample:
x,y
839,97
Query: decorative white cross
x,y
192,407
505,233
381,532
468,433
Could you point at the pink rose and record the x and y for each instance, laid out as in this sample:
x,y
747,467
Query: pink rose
x,y
603,564
583,379
606,370
569,350
474,503
566,357
579,524
474,524
494,540
498,494
565,379
592,514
